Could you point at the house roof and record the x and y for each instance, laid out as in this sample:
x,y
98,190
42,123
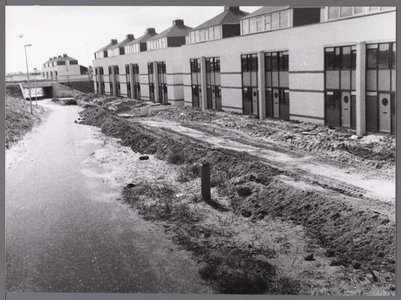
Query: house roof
x,y
63,57
230,15
150,32
178,29
129,38
108,46
266,9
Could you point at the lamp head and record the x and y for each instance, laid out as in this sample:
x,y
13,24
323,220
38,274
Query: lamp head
x,y
29,45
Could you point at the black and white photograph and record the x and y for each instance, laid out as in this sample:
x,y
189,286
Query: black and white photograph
x,y
200,150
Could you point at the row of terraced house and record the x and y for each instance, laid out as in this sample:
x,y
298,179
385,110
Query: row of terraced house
x,y
329,65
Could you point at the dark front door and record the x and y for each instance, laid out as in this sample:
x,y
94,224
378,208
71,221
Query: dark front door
x,y
219,105
332,111
247,98
195,96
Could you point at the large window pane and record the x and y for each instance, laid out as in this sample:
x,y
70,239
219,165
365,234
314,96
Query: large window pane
x,y
284,18
274,62
337,58
384,56
285,62
334,12
275,20
346,11
329,59
254,59
268,62
358,10
346,58
217,65
244,62
353,60
372,58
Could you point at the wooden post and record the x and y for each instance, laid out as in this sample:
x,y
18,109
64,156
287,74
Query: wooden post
x,y
205,181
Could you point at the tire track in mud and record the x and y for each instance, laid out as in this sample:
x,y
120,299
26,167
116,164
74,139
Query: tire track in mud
x,y
256,150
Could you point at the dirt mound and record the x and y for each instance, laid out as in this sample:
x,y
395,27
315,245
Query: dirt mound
x,y
353,235
19,120
366,237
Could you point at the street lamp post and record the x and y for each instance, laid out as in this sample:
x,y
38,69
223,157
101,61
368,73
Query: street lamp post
x,y
27,72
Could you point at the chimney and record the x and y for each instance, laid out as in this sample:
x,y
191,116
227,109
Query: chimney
x,y
54,57
114,41
178,22
130,37
64,55
231,8
50,58
150,30
59,56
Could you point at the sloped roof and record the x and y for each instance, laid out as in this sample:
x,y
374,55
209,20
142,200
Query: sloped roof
x,y
178,29
63,57
266,9
129,38
108,46
143,38
228,16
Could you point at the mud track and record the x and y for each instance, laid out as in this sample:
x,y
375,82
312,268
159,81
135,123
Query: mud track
x,y
355,225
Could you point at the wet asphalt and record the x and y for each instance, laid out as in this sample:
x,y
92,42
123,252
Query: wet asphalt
x,y
66,232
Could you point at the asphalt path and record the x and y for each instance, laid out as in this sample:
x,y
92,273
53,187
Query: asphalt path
x,y
65,230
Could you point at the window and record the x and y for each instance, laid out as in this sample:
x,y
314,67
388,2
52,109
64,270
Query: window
x,y
259,24
337,56
267,22
275,63
345,11
374,8
358,10
285,61
217,34
346,58
372,58
245,26
334,12
284,18
211,36
384,56
275,20
268,62
353,59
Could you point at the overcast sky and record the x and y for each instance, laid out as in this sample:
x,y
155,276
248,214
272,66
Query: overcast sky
x,y
79,31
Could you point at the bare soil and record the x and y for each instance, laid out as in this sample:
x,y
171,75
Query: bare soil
x,y
270,228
